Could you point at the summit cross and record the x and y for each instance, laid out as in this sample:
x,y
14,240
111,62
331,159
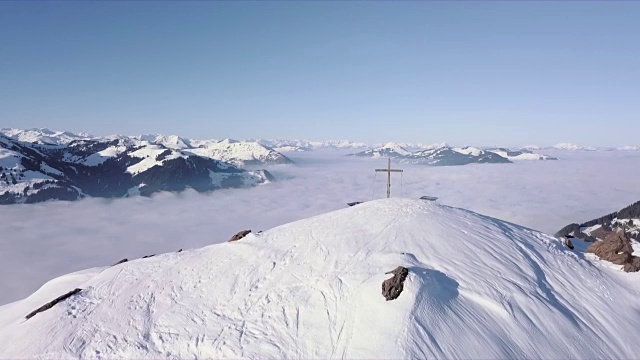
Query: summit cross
x,y
389,170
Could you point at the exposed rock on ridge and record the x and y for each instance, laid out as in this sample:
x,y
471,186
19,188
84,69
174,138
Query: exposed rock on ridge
x,y
391,288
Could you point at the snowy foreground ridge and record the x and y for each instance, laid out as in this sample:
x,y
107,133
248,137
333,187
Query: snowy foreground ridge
x,y
477,287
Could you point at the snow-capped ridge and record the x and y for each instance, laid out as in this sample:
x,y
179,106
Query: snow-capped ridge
x,y
311,288
44,136
34,172
569,146
444,155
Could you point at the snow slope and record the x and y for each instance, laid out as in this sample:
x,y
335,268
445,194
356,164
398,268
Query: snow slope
x,y
478,288
523,154
240,153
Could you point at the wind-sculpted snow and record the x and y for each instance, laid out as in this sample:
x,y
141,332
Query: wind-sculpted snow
x,y
477,287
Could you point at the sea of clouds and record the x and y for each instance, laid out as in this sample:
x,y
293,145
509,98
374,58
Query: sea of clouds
x,y
43,241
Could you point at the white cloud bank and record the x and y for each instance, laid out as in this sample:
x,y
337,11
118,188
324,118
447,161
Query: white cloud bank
x,y
42,241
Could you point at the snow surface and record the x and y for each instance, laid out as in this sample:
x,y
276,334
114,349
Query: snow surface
x,y
590,229
523,156
478,288
239,153
102,156
469,150
149,156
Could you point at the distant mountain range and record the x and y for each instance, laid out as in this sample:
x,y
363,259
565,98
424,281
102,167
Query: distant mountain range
x,y
64,166
626,220
41,164
444,155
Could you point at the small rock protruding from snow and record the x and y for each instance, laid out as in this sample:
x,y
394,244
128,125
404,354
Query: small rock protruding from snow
x,y
239,235
567,241
121,261
391,288
52,303
617,249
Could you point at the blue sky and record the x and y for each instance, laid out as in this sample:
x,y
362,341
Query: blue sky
x,y
504,73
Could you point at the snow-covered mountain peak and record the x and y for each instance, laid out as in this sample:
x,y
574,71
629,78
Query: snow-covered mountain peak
x,y
469,150
239,153
477,287
569,146
44,136
394,147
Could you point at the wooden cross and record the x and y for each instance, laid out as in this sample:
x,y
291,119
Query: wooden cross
x,y
389,170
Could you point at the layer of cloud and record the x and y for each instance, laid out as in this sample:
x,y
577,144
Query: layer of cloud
x,y
42,241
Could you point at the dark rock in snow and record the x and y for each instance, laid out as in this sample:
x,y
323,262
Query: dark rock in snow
x,y
50,304
121,261
239,235
391,288
633,265
567,241
148,256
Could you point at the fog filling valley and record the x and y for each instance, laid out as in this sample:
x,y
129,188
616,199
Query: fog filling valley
x,y
42,241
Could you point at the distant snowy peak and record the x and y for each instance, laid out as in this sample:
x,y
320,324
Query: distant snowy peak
x,y
394,147
469,150
339,144
422,146
388,150
630,148
240,153
569,146
444,155
44,136
170,141
522,154
289,148
306,145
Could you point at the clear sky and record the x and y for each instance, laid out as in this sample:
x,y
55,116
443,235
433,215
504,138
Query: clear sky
x,y
481,73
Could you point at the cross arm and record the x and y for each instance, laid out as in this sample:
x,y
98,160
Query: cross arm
x,y
392,170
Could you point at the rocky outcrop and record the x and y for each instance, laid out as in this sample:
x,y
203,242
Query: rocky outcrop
x,y
608,224
391,288
52,303
239,235
617,249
